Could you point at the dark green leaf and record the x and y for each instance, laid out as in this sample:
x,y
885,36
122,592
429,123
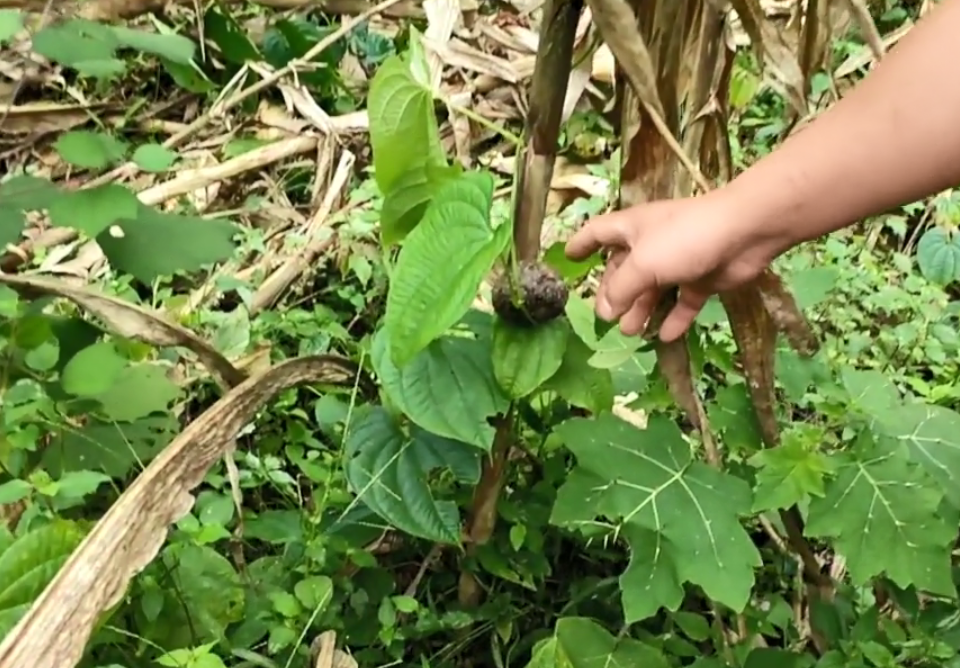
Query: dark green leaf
x,y
161,244
92,210
389,472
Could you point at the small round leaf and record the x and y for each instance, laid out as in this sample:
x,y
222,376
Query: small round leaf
x,y
90,150
154,158
938,254
92,371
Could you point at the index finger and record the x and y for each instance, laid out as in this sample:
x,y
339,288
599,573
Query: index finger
x,y
610,230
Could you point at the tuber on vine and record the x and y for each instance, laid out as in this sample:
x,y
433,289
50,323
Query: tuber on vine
x,y
535,295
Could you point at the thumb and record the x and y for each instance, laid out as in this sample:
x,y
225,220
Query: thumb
x,y
689,303
610,230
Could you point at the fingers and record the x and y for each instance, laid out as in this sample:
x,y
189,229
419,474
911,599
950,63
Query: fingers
x,y
689,303
634,321
623,287
614,261
611,230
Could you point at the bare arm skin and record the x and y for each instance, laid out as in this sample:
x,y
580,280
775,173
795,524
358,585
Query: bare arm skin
x,y
892,140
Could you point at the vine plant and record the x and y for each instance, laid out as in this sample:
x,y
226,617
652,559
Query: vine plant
x,y
881,496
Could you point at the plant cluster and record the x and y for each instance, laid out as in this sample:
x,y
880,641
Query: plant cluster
x,y
508,481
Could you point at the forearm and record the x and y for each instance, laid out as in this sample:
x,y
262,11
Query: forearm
x,y
892,140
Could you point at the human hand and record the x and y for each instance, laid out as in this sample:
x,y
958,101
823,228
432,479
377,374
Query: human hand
x,y
703,245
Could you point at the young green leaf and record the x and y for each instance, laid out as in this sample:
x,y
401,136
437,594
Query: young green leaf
x,y
230,36
524,358
314,592
76,41
389,470
112,447
556,257
211,596
406,201
153,158
787,475
78,484
14,490
403,127
448,388
90,150
441,265
681,517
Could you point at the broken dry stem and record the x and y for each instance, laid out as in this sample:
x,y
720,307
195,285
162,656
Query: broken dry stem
x,y
294,266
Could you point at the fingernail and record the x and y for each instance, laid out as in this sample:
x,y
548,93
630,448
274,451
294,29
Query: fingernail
x,y
604,310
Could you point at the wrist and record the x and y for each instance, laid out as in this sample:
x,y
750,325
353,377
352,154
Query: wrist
x,y
758,218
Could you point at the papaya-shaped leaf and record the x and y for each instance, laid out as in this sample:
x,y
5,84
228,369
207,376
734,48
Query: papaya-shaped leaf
x,y
403,128
441,265
580,383
788,474
524,358
578,642
406,202
29,563
92,210
389,471
931,434
680,516
153,158
938,254
448,388
161,244
871,392
881,511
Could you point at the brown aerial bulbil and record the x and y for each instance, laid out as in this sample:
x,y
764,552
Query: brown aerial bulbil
x,y
539,295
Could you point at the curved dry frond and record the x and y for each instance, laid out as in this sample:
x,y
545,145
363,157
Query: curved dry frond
x,y
132,321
